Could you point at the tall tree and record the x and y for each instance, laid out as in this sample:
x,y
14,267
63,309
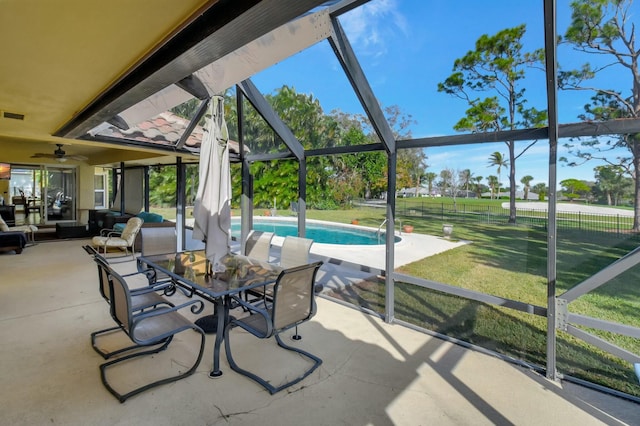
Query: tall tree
x,y
526,182
455,182
493,182
445,181
465,180
497,64
430,178
411,162
574,188
411,167
274,180
478,185
611,182
603,28
497,159
541,189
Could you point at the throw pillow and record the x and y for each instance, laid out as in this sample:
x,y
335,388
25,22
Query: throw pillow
x,y
149,217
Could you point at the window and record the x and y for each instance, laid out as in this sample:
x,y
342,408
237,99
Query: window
x,y
100,194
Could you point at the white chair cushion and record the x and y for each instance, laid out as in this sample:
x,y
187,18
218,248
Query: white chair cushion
x,y
3,225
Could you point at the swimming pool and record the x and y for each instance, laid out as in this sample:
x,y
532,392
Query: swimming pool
x,y
321,233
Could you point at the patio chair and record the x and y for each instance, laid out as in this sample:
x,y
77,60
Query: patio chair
x,y
150,274
112,239
293,304
160,240
141,299
258,245
157,241
157,326
295,251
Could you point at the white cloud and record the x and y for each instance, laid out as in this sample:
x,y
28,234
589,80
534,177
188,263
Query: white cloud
x,y
370,26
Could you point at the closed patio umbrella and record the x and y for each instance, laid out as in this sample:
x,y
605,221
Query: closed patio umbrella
x,y
212,211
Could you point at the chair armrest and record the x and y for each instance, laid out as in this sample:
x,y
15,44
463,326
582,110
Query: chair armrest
x,y
254,309
150,273
250,306
197,306
151,288
106,231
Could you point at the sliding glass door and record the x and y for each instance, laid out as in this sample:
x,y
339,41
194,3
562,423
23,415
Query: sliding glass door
x,y
60,190
43,193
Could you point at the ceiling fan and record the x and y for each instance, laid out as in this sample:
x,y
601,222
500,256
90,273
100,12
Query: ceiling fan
x,y
60,155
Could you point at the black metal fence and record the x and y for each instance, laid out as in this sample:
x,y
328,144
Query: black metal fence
x,y
461,212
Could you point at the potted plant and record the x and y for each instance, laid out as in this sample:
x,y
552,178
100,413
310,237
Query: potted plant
x,y
407,228
355,221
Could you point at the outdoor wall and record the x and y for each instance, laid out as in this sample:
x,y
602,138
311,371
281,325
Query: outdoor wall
x,y
85,183
4,187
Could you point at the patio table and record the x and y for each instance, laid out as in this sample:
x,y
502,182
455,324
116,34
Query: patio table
x,y
191,270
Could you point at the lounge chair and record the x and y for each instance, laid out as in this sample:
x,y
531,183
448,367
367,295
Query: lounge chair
x,y
29,230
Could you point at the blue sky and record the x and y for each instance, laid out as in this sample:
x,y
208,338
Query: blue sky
x,y
407,47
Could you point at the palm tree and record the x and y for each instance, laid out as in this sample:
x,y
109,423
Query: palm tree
x,y
465,178
526,181
541,189
430,177
478,186
499,160
493,182
446,176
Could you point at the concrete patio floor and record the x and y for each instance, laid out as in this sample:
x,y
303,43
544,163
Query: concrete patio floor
x,y
373,373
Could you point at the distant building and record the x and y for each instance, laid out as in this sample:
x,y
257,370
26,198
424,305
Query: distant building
x,y
411,192
532,196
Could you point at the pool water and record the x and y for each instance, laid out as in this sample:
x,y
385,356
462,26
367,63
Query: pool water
x,y
319,233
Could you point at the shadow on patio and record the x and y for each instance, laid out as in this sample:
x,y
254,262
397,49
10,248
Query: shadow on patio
x,y
373,373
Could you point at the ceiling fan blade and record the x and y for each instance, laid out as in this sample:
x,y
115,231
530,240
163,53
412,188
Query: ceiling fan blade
x,y
76,157
43,155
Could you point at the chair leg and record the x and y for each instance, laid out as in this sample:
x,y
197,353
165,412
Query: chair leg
x,y
107,355
124,397
296,336
268,386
